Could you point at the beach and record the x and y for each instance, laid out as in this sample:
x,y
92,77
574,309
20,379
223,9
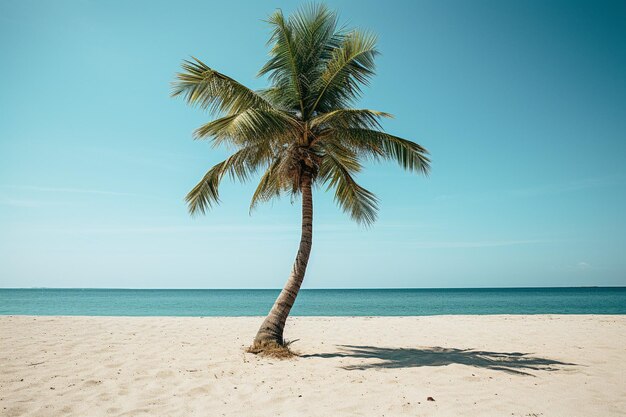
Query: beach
x,y
480,365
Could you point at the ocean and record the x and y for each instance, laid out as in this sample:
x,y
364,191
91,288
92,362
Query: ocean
x,y
313,302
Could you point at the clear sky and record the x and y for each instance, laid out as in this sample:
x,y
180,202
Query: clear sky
x,y
522,105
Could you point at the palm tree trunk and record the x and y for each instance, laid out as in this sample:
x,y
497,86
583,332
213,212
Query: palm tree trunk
x,y
272,328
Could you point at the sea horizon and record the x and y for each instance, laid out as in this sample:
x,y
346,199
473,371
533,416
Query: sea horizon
x,y
346,302
307,289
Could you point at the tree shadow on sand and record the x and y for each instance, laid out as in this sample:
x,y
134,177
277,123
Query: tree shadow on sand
x,y
512,362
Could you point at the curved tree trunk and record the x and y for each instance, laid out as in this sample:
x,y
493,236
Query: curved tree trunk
x,y
272,328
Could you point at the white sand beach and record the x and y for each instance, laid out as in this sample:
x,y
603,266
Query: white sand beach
x,y
470,365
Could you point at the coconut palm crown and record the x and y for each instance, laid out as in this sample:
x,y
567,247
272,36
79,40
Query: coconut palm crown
x,y
299,132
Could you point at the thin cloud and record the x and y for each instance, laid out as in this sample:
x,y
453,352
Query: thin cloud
x,y
565,187
27,203
582,266
537,190
475,244
177,229
67,190
221,228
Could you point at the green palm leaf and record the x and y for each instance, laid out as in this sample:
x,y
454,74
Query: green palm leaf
x,y
284,66
240,166
360,204
203,86
250,126
348,118
271,185
352,65
380,145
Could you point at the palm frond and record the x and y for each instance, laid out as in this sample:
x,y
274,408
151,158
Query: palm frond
x,y
283,66
250,126
380,145
211,90
360,204
350,118
271,185
316,37
351,66
408,154
202,197
343,154
240,165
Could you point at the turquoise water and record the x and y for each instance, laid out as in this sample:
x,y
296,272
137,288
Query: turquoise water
x,y
366,302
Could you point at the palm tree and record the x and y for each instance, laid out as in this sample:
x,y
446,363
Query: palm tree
x,y
300,132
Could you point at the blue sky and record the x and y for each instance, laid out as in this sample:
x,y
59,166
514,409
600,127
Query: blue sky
x,y
521,104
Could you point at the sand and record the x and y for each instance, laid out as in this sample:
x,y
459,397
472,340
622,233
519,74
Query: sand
x,y
470,365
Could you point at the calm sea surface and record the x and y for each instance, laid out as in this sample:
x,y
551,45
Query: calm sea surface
x,y
370,302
